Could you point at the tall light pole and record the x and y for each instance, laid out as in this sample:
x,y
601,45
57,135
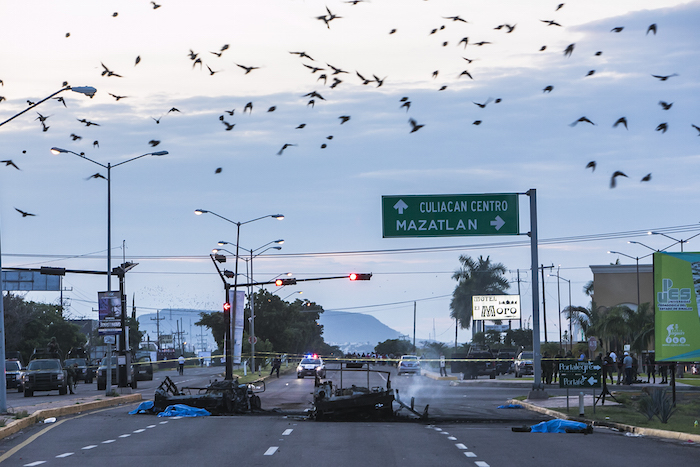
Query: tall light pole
x,y
636,258
674,239
227,319
252,291
109,167
571,337
89,91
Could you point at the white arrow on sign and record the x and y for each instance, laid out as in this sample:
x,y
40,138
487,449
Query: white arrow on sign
x,y
400,206
498,222
592,380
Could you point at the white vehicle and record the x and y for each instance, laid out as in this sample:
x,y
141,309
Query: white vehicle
x,y
311,365
408,364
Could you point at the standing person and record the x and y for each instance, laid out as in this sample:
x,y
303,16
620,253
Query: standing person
x,y
276,364
181,365
663,372
555,367
71,373
613,366
443,370
620,368
651,368
608,367
628,362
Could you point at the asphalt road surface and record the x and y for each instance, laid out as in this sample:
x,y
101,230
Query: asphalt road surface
x,y
466,428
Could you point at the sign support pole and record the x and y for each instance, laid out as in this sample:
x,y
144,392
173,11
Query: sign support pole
x,y
537,391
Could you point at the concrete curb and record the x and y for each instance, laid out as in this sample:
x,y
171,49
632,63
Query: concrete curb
x,y
677,435
433,375
18,425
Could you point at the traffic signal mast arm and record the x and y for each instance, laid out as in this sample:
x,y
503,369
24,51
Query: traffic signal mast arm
x,y
292,281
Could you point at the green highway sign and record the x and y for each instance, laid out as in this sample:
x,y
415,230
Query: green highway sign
x,y
575,374
450,215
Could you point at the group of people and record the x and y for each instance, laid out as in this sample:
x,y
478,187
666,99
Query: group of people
x,y
550,369
626,366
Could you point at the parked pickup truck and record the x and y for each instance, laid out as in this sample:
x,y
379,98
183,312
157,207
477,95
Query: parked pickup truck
x,y
45,374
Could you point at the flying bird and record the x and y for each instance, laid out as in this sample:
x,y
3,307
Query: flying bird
x,y
323,77
344,118
543,48
476,122
598,53
621,120
248,107
455,18
696,127
286,145
646,178
61,100
435,73
174,109
364,80
379,81
9,163
662,127
229,126
582,119
569,50
549,88
24,213
87,123
41,118
212,72
336,70
591,165
302,55
414,125
664,78
313,94
311,103
336,82
665,105
406,104
483,106
617,29
590,73
248,69
154,143
392,31
155,5
230,112
313,69
613,182
272,109
138,60
96,175
465,40
443,87
95,144
550,22
116,97
559,7
301,125
157,120
108,72
652,28
75,137
218,170
465,72
481,43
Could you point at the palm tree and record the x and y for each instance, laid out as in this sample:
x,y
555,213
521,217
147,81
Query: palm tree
x,y
475,277
589,319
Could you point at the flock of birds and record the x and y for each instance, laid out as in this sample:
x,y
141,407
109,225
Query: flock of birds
x,y
332,76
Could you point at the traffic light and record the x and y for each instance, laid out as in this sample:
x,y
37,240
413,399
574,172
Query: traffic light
x,y
227,307
360,277
280,282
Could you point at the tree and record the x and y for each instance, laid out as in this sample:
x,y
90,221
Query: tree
x,y
396,347
479,277
519,338
215,322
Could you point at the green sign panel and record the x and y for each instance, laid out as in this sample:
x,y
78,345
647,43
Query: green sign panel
x,y
677,320
450,215
574,374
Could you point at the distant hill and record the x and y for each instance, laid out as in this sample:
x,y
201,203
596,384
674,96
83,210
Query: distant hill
x,y
341,327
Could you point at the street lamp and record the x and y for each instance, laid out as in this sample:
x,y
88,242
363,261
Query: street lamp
x,y
89,91
674,239
252,291
227,318
109,167
571,341
293,293
640,243
636,258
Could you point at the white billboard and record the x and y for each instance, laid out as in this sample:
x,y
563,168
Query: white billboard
x,y
495,307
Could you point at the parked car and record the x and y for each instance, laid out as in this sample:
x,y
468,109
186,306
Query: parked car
x,y
13,375
523,364
504,361
45,374
102,374
82,372
479,362
311,366
143,368
408,364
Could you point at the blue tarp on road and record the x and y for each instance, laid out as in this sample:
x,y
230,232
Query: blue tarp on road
x,y
182,410
557,426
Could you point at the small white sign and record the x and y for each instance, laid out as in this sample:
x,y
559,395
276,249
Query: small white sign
x,y
495,307
110,339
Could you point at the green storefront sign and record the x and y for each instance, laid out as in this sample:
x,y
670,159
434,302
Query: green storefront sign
x,y
450,215
574,374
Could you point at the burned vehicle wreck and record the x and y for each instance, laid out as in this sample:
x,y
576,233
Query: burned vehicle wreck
x,y
225,397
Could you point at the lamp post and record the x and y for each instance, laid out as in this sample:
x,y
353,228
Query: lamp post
x,y
227,319
636,258
571,340
674,239
293,293
89,91
252,291
109,167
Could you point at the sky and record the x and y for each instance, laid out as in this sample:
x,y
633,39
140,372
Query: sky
x,y
329,181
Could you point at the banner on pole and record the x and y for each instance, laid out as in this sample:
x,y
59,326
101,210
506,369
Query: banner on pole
x,y
237,321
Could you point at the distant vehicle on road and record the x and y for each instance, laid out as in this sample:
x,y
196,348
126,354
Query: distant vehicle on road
x,y
408,364
523,364
13,375
102,374
82,373
45,374
311,365
143,368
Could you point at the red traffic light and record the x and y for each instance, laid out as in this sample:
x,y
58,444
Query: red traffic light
x,y
360,277
280,282
227,306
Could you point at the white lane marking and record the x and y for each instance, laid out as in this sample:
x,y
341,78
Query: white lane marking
x,y
92,446
460,446
452,438
470,454
175,418
140,430
34,463
65,454
151,426
163,423
271,450
437,429
444,433
481,464
108,441
287,432
125,435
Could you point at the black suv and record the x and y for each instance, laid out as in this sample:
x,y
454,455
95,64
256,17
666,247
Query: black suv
x,y
45,374
478,361
505,358
102,374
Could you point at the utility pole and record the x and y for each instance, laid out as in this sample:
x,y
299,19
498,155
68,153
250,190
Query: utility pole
x,y
414,326
544,306
157,319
